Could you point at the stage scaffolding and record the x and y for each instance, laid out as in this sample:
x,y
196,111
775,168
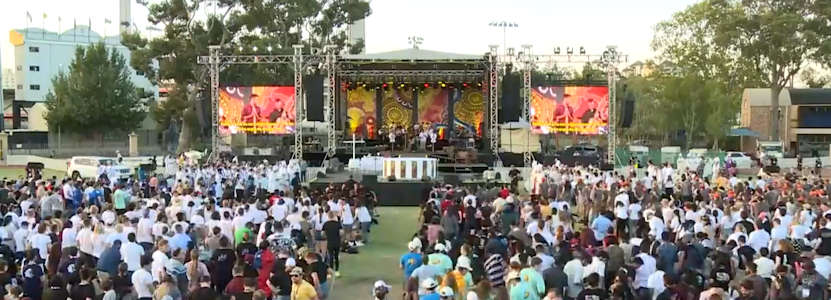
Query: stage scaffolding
x,y
338,68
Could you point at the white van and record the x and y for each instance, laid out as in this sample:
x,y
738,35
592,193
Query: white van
x,y
87,167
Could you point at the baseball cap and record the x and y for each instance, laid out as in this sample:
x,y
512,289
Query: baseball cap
x,y
439,247
382,284
464,262
429,283
446,292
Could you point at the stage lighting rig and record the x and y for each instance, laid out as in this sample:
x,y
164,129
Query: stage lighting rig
x,y
569,51
582,50
557,50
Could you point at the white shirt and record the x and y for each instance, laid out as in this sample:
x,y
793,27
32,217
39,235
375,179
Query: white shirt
x,y
363,215
634,211
85,240
69,238
20,236
157,267
643,272
822,264
574,270
758,239
279,211
764,267
41,242
346,214
656,283
131,253
142,280
144,231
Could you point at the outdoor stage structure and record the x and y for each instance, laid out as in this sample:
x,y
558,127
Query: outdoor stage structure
x,y
400,75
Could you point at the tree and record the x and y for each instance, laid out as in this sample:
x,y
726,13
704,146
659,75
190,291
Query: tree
x,y
237,26
814,80
95,95
743,41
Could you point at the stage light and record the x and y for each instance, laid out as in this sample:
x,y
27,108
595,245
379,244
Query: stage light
x,y
426,85
254,48
479,84
569,51
384,85
443,85
269,48
557,50
582,50
363,85
464,84
240,48
401,86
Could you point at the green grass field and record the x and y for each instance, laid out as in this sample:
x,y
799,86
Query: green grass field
x,y
379,259
14,173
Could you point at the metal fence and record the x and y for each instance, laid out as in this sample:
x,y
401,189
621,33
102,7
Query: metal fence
x,y
61,145
623,156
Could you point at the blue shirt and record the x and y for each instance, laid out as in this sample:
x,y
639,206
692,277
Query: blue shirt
x,y
601,226
410,261
179,241
433,296
523,291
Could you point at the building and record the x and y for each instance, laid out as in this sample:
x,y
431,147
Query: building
x,y
805,123
40,55
8,79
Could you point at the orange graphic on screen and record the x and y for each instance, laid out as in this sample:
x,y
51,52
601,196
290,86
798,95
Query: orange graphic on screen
x,y
360,112
256,110
580,110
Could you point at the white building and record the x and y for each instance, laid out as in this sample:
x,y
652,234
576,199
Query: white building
x,y
40,55
8,78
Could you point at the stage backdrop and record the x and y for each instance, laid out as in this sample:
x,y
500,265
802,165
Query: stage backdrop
x,y
570,109
360,112
469,110
256,109
432,106
397,108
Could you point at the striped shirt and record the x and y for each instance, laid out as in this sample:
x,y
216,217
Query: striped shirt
x,y
495,269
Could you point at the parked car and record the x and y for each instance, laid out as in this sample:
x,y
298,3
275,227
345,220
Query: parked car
x,y
581,154
742,160
87,167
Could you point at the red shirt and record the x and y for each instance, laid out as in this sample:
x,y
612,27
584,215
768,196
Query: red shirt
x,y
267,262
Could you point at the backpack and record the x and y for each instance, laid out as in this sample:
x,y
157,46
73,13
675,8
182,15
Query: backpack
x,y
258,260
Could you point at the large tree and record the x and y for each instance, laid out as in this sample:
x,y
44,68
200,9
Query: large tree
x,y
742,43
190,26
95,95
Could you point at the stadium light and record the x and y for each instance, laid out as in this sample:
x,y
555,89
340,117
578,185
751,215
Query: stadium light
x,y
582,50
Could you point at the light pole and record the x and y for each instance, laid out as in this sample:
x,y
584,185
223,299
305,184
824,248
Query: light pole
x,y
415,41
504,25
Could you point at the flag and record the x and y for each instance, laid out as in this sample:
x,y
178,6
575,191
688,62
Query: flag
x,y
28,16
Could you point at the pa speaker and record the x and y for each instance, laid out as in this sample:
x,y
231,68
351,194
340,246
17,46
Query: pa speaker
x,y
314,97
628,110
511,99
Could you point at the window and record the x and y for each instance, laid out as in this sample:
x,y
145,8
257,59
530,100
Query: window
x,y
19,86
139,73
34,49
34,87
34,68
19,68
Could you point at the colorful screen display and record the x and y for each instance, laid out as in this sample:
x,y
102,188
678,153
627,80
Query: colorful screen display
x,y
360,113
256,109
582,110
432,106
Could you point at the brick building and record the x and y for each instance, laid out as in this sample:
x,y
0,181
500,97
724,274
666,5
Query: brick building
x,y
805,122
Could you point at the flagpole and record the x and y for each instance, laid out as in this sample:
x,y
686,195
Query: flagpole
x,y
74,30
28,16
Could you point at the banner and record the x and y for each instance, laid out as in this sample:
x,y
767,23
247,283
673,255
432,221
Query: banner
x,y
256,110
397,108
360,113
469,110
582,110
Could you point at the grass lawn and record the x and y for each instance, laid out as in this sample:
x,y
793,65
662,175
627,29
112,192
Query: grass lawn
x,y
14,173
379,259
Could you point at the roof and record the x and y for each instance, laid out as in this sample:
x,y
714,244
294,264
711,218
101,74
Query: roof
x,y
810,96
761,97
414,54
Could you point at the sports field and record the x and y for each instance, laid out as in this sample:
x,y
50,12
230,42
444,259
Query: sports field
x,y
378,259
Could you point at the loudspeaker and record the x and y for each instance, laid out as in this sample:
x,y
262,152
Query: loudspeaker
x,y
314,97
628,110
511,101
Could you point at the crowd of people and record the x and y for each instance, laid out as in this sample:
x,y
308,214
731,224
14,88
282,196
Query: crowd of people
x,y
224,230
649,233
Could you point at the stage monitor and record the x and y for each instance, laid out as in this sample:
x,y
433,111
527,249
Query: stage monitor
x,y
256,110
581,110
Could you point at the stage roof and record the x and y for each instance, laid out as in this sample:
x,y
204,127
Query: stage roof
x,y
413,54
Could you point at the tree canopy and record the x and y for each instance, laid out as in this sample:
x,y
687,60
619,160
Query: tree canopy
x,y
95,95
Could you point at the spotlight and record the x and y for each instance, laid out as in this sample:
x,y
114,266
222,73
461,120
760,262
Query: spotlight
x,y
557,50
240,48
569,51
401,85
582,50
363,85
443,85
479,84
464,84
384,85
426,85
269,48
254,48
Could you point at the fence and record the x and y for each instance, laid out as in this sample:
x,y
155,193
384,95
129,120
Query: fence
x,y
53,144
623,156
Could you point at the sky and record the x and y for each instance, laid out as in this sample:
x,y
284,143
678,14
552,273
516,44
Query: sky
x,y
459,26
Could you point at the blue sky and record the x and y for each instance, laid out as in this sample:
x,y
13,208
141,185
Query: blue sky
x,y
445,25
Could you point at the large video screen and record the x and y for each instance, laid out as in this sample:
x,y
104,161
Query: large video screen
x,y
469,110
360,113
582,110
256,109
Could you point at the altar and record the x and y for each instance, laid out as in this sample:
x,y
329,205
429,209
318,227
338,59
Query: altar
x,y
410,168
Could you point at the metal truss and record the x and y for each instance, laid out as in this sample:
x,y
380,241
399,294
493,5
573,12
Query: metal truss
x,y
412,73
611,58
527,67
300,102
215,61
493,100
329,92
